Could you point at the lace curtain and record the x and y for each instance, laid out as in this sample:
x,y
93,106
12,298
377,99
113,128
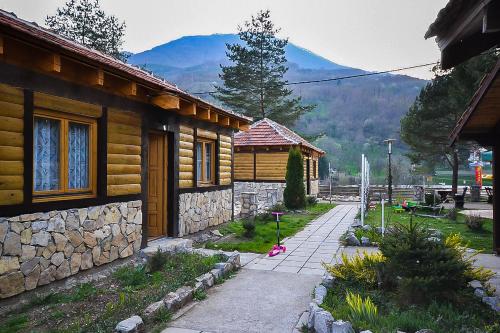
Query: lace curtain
x,y
199,159
46,154
78,156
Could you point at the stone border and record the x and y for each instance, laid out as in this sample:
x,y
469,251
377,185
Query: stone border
x,y
480,292
174,301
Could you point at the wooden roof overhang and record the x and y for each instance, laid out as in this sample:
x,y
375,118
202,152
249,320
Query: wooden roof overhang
x,y
27,45
465,28
481,120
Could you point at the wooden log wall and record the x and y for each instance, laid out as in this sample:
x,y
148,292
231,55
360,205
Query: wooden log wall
x,y
124,153
186,154
225,160
271,166
243,166
11,145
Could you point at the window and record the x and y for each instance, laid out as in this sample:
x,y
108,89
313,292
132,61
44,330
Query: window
x,y
205,162
64,156
315,170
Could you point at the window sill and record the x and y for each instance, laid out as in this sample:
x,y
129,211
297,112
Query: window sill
x,y
63,197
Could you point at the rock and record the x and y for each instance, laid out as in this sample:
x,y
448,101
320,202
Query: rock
x,y
367,227
480,293
425,330
434,239
63,270
4,227
86,260
40,238
319,294
96,253
366,331
82,214
38,226
89,239
131,325
28,266
26,236
323,321
224,267
31,280
8,264
171,301
365,241
234,260
68,250
351,240
56,224
327,280
75,262
340,326
75,238
378,230
57,258
93,212
72,222
11,284
217,273
126,252
185,295
48,251
12,244
475,284
356,223
207,279
153,309
60,241
138,218
113,254
28,252
435,233
113,216
198,286
493,302
216,233
313,308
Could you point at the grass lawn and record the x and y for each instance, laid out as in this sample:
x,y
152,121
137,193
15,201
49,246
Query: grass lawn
x,y
98,307
265,231
479,240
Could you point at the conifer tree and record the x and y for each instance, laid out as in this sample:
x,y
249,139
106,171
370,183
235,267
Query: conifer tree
x,y
294,195
254,83
86,23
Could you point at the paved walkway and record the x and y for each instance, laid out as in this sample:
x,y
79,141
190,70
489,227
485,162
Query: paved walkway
x,y
316,244
268,295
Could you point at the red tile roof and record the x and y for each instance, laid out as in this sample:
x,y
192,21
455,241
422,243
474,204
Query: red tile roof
x,y
266,132
46,37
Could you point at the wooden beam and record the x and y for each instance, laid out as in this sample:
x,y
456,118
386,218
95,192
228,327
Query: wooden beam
x,y
214,117
235,123
95,77
130,89
52,63
187,108
224,121
203,114
165,101
244,127
1,45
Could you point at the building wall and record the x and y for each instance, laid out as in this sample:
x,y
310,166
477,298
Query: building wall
x,y
200,210
268,194
39,248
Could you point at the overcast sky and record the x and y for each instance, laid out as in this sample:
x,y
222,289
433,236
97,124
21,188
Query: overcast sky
x,y
367,34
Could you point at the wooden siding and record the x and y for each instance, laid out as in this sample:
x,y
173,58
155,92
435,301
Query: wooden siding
x,y
186,154
225,164
243,166
49,102
271,166
11,145
206,134
124,153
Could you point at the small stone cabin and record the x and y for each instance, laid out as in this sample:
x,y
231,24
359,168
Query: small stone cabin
x,y
260,160
97,157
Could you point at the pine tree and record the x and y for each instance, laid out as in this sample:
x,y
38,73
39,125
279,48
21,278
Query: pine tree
x,y
294,195
254,83
86,23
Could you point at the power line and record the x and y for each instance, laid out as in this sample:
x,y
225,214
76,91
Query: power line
x,y
341,77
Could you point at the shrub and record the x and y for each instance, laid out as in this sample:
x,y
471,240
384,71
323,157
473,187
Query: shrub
x,y
452,214
361,310
134,277
431,199
474,222
361,267
249,226
420,267
295,194
311,200
157,261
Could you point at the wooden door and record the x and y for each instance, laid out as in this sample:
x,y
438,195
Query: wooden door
x,y
157,181
308,176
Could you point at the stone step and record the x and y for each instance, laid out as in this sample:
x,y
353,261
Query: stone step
x,y
167,244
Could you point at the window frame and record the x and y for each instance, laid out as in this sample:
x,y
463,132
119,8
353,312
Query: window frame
x,y
64,192
204,142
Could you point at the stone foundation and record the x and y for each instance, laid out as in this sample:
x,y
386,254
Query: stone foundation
x,y
314,187
197,211
268,195
39,248
248,205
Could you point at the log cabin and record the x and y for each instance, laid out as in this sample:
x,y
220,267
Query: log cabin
x,y
97,157
464,29
260,160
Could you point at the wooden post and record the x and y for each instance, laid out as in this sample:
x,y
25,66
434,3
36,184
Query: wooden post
x,y
496,195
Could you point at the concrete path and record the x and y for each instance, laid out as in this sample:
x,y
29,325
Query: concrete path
x,y
318,243
268,295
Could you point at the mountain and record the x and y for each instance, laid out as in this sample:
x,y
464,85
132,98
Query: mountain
x,y
355,115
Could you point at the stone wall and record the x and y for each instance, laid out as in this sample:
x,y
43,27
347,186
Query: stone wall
x,y
314,187
36,249
268,194
197,211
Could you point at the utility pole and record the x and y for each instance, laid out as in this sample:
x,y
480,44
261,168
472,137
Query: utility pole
x,y
389,175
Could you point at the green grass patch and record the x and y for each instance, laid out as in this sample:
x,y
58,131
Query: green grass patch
x,y
476,239
264,235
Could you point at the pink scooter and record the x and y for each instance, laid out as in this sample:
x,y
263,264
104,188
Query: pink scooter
x,y
277,248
